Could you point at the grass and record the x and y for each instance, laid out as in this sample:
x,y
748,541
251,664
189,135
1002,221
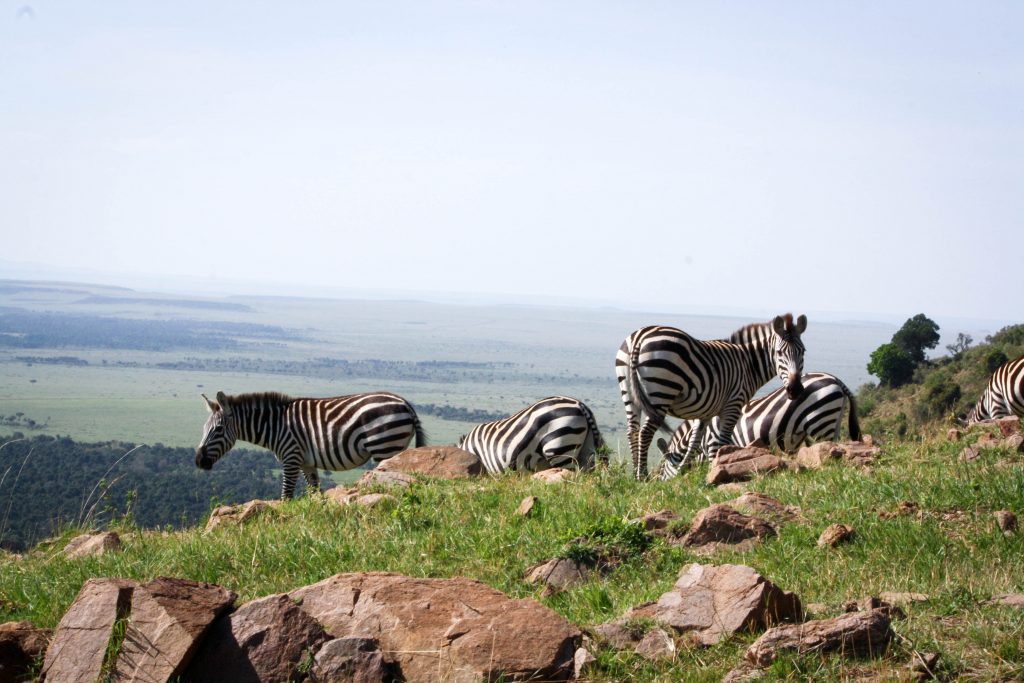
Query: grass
x,y
948,547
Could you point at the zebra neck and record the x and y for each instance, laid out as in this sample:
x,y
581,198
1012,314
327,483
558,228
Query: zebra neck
x,y
261,420
762,366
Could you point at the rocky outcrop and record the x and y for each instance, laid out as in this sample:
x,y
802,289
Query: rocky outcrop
x,y
820,454
263,640
350,660
854,634
740,464
21,644
710,602
445,629
442,462
721,524
92,545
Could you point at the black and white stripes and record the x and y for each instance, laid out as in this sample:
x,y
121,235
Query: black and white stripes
x,y
1004,395
557,431
309,433
664,371
778,421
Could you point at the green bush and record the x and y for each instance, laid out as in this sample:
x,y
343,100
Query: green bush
x,y
891,365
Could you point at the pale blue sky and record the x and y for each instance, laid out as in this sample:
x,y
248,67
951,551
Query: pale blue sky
x,y
748,156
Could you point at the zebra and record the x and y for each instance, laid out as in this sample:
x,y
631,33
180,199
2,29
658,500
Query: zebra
x,y
338,433
557,431
1004,395
780,422
664,371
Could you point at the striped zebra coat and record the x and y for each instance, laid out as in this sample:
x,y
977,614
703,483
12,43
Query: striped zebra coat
x,y
1004,395
305,434
557,431
664,371
780,422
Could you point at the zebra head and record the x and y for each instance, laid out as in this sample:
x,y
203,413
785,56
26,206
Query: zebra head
x,y
788,352
219,432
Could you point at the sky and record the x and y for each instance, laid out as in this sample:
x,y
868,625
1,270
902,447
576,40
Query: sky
x,y
682,156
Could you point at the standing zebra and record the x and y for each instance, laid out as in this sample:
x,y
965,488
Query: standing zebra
x,y
309,433
780,422
664,371
1004,395
557,431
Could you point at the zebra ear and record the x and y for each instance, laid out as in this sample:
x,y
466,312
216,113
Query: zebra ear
x,y
210,405
222,399
779,325
801,324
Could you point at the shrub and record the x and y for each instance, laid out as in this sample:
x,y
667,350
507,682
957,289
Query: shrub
x,y
891,365
916,335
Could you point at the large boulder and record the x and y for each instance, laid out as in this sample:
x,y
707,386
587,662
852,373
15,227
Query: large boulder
x,y
853,634
713,601
79,644
721,524
443,462
739,464
263,640
168,619
445,629
350,660
21,644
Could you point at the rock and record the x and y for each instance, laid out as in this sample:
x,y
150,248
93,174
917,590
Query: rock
x,y
765,506
987,440
526,506
557,574
1008,426
377,477
742,673
1008,600
372,500
239,514
442,462
79,643
740,464
924,664
954,434
836,534
263,640
553,475
869,440
583,662
21,644
721,524
853,634
92,545
656,645
657,521
816,608
818,455
872,603
441,629
1006,520
903,598
714,601
168,619
350,660
1014,443
618,635
969,453
342,495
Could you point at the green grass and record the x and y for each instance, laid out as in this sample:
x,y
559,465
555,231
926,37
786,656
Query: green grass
x,y
950,549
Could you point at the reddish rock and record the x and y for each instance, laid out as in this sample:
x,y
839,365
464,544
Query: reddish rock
x,y
657,521
853,634
372,500
743,673
377,477
1006,520
583,663
1014,443
618,635
92,545
970,453
554,475
835,534
740,464
1008,600
168,618
714,601
350,660
765,506
818,455
557,574
342,495
441,629
656,645
722,524
263,640
239,514
954,434
526,507
903,598
79,644
443,462
21,644
1008,426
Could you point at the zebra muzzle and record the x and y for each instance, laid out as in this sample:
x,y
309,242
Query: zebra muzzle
x,y
203,462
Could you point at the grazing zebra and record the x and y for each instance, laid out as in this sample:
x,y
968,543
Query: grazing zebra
x,y
780,422
1004,395
664,371
309,433
557,431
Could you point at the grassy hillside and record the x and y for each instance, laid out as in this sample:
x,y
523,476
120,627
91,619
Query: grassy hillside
x,y
947,547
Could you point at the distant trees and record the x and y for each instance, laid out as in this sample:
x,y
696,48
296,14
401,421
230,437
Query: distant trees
x,y
891,365
962,343
916,335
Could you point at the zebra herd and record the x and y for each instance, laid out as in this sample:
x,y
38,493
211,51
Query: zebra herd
x,y
661,371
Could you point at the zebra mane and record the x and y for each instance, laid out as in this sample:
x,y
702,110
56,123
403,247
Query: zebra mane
x,y
262,397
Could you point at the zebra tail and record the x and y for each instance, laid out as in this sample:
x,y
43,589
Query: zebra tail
x,y
637,393
421,434
592,425
854,423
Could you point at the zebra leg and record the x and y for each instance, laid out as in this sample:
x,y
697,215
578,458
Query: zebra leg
x,y
289,479
695,445
643,443
312,480
726,423
633,435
